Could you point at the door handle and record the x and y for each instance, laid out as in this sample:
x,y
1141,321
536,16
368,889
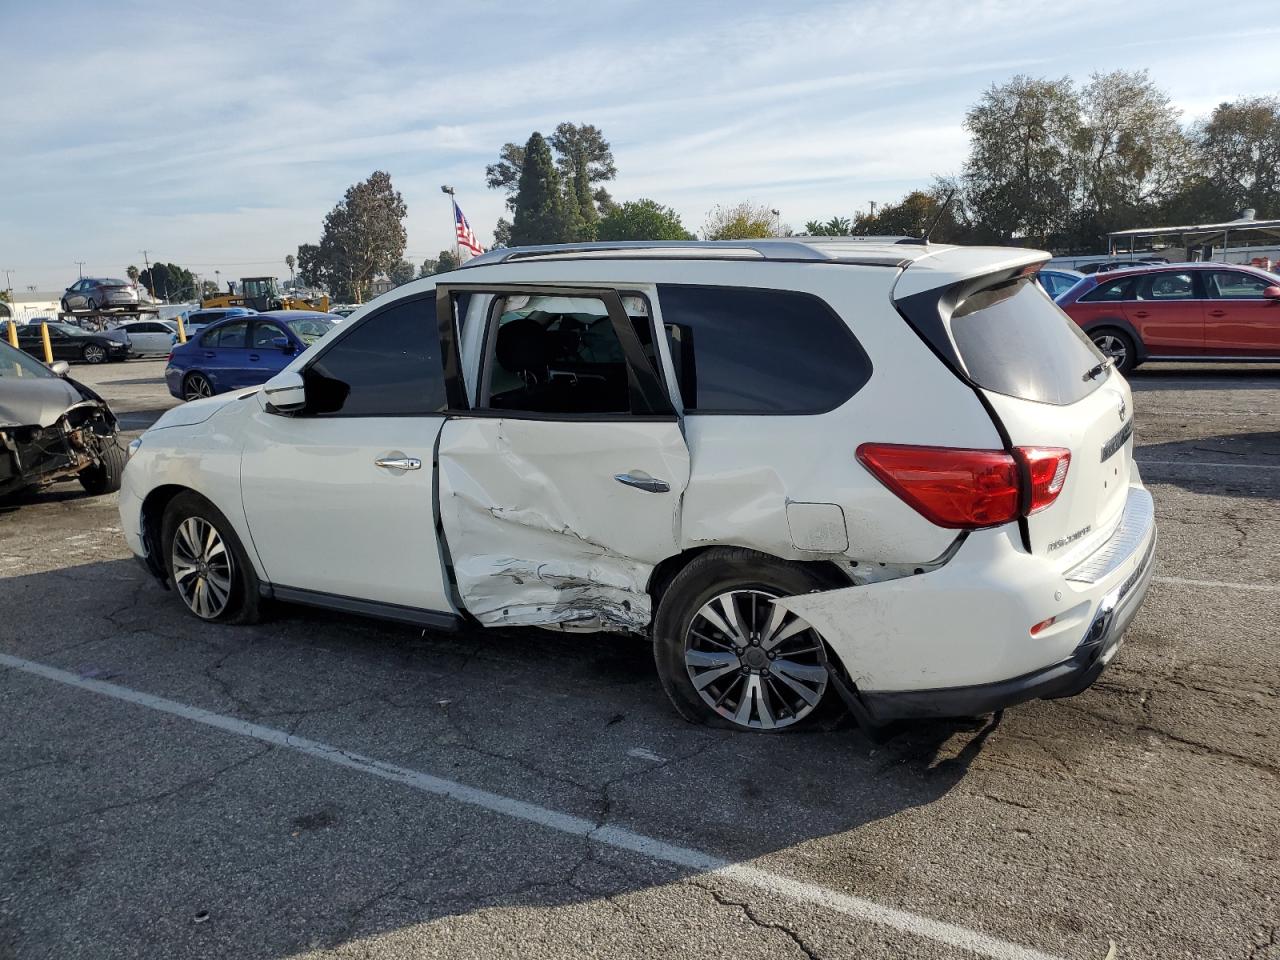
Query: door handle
x,y
254,356
1141,313
209,355
642,481
1217,313
399,463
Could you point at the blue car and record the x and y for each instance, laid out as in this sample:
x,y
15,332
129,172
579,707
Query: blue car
x,y
241,351
1058,282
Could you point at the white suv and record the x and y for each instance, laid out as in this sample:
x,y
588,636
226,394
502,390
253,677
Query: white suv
x,y
888,473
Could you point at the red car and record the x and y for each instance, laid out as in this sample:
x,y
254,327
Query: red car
x,y
1180,311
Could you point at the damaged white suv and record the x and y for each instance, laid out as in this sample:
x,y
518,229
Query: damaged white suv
x,y
888,473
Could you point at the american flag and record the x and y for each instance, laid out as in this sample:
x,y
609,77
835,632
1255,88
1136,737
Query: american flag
x,y
466,238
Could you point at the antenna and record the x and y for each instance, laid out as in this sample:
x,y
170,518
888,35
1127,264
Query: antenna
x,y
937,218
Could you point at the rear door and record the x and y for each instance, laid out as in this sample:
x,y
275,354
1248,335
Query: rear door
x,y
1032,365
1167,309
560,485
1239,320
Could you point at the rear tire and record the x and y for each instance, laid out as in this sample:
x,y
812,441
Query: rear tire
x,y
206,564
196,386
104,476
735,678
1117,346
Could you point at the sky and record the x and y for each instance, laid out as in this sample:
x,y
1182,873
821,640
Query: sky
x,y
218,136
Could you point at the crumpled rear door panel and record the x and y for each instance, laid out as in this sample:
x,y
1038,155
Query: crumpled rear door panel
x,y
540,532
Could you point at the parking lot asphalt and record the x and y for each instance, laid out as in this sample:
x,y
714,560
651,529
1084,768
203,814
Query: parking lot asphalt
x,y
323,786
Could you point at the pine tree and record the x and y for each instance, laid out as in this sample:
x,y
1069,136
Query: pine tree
x,y
588,219
540,215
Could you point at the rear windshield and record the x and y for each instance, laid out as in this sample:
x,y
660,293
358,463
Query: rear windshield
x,y
1014,340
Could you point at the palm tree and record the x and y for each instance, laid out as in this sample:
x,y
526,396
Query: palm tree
x,y
132,274
290,262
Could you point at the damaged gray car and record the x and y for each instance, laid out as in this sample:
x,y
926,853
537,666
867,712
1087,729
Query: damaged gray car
x,y
53,428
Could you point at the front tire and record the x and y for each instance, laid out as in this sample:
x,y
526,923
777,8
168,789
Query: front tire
x,y
728,657
206,563
1117,346
93,353
104,476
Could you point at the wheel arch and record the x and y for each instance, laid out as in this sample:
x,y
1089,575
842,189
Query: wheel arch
x,y
667,570
1124,326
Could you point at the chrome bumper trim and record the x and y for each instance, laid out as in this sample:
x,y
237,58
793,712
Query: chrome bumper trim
x,y
1136,524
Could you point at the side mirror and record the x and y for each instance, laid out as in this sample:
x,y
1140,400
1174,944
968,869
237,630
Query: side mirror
x,y
1272,293
60,368
284,393
283,344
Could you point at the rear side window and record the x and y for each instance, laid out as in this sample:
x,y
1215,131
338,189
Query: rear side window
x,y
387,366
1166,286
748,350
1110,291
1014,340
234,335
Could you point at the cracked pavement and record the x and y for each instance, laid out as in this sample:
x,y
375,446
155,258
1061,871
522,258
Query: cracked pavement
x,y
1145,811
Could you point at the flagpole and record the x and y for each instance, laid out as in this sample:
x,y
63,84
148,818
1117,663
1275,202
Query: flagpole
x,y
457,246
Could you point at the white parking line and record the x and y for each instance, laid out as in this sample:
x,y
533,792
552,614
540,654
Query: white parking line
x,y
856,907
1201,463
1219,584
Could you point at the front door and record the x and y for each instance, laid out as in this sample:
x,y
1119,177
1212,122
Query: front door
x,y
1239,320
560,487
339,497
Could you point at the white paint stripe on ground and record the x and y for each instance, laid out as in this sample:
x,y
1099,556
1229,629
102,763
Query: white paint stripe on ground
x,y
1201,463
855,907
1219,584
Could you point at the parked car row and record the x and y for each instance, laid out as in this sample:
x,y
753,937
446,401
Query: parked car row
x,y
1187,312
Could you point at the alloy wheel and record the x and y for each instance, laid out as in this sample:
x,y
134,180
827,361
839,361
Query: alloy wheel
x,y
202,567
197,387
94,354
1112,347
754,663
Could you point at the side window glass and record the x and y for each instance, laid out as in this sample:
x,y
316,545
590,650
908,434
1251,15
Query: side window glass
x,y
1167,286
1111,291
264,333
232,336
388,365
554,354
1229,285
748,350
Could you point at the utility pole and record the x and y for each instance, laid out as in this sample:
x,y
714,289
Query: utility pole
x,y
80,264
8,284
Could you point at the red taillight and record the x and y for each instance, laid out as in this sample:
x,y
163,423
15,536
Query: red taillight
x,y
1047,467
966,489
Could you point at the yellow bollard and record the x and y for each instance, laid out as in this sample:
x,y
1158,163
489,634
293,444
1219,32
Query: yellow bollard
x,y
48,348
182,331
13,335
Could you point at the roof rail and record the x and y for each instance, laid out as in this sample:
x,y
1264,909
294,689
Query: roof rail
x,y
782,248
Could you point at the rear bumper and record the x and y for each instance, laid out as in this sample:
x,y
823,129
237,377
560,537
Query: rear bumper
x,y
1096,649
958,640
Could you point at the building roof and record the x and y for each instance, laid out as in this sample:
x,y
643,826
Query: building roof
x,y
1205,230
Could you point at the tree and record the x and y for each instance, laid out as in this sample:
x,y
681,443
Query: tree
x,y
743,221
1238,149
835,227
5,296
540,214
445,261
642,220
132,273
209,288
363,236
401,272
1021,174
583,160
290,262
1132,155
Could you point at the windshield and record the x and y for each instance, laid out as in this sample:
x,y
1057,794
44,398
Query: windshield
x,y
309,329
15,363
1014,340
114,283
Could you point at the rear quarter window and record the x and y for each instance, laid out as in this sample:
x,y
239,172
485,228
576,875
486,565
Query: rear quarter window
x,y
755,351
1012,339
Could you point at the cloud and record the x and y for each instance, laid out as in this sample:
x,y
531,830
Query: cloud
x,y
226,133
